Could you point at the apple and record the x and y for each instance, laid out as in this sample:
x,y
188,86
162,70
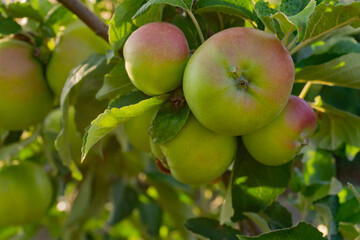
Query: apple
x,y
137,132
238,80
24,96
25,193
197,155
279,141
76,43
155,57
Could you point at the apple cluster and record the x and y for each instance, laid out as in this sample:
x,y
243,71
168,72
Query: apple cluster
x,y
237,83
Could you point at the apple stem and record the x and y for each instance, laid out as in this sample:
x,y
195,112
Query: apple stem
x,y
191,15
305,90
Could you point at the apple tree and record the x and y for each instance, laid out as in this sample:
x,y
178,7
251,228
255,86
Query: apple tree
x,y
180,119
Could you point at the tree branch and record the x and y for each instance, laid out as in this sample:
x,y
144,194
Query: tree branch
x,y
88,17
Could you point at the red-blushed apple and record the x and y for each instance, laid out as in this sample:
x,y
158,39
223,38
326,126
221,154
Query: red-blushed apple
x,y
197,155
25,98
279,141
155,57
238,80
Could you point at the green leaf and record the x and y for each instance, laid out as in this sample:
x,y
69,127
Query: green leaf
x,y
113,118
348,230
227,210
59,15
256,186
351,152
278,216
335,127
349,211
319,166
187,27
318,190
286,26
341,97
82,202
259,220
20,10
341,71
243,9
93,67
302,231
168,122
128,99
121,25
184,4
211,228
301,19
125,200
154,14
355,192
11,150
262,9
87,107
293,7
116,82
289,24
327,208
170,201
328,17
151,216
8,26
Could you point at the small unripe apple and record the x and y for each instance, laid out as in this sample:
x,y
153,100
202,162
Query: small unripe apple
x,y
24,96
137,130
155,57
25,193
197,155
279,141
76,43
238,80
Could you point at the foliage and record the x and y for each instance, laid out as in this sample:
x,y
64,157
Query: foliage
x,y
116,192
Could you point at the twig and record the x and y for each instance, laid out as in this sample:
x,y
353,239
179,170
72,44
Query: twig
x,y
191,15
88,17
305,90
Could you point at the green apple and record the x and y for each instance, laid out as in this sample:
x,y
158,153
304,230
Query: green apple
x,y
24,96
238,80
155,57
76,43
137,132
279,141
25,193
197,155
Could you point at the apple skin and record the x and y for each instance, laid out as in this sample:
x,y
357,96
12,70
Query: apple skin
x,y
155,57
76,43
137,132
278,142
24,96
197,155
25,193
238,80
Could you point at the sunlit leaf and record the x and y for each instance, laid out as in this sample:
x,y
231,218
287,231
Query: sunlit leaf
x,y
302,231
335,127
254,185
342,71
113,118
